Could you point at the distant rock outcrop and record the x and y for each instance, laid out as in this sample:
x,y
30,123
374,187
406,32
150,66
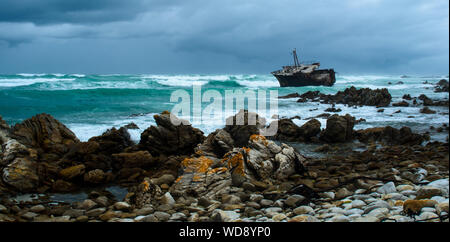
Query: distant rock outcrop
x,y
167,138
338,129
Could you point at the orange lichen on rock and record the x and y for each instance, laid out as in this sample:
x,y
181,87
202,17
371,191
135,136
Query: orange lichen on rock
x,y
197,178
178,179
217,170
257,137
145,185
414,206
247,150
196,164
236,162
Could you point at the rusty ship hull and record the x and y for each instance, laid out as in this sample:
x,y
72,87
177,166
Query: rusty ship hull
x,y
325,77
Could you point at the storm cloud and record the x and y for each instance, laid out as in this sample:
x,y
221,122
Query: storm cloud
x,y
204,36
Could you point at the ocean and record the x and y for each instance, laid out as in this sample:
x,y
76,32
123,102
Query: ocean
x,y
91,104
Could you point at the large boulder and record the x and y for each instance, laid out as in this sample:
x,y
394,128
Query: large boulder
x,y
287,131
338,129
21,174
112,141
170,138
310,129
242,125
263,159
45,133
363,96
352,97
442,86
216,144
202,176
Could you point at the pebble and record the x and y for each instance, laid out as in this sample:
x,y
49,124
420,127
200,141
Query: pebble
x,y
428,215
279,217
37,208
178,216
293,200
253,205
367,219
123,206
167,199
74,213
102,201
354,216
304,218
379,212
442,207
139,218
87,204
150,218
395,196
29,215
266,202
3,209
428,192
256,198
375,205
303,210
161,216
144,211
95,212
329,195
353,211
357,203
340,218
402,188
337,210
342,193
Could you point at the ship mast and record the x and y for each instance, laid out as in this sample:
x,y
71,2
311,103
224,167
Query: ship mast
x,y
294,53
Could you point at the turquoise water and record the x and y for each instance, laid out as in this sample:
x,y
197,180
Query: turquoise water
x,y
90,104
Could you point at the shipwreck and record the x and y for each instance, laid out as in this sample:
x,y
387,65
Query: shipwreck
x,y
302,74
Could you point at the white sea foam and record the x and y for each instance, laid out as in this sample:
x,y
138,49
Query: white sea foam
x,y
15,82
31,74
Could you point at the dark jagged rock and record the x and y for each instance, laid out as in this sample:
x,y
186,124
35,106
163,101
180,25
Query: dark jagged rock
x,y
333,110
289,131
442,86
242,125
401,104
113,140
429,102
167,138
292,95
217,143
364,96
350,96
131,126
310,129
407,97
427,110
338,129
45,133
403,136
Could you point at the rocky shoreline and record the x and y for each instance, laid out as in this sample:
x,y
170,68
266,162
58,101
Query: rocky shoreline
x,y
176,173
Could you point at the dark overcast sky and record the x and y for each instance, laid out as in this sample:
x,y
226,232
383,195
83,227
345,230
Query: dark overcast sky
x,y
233,36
